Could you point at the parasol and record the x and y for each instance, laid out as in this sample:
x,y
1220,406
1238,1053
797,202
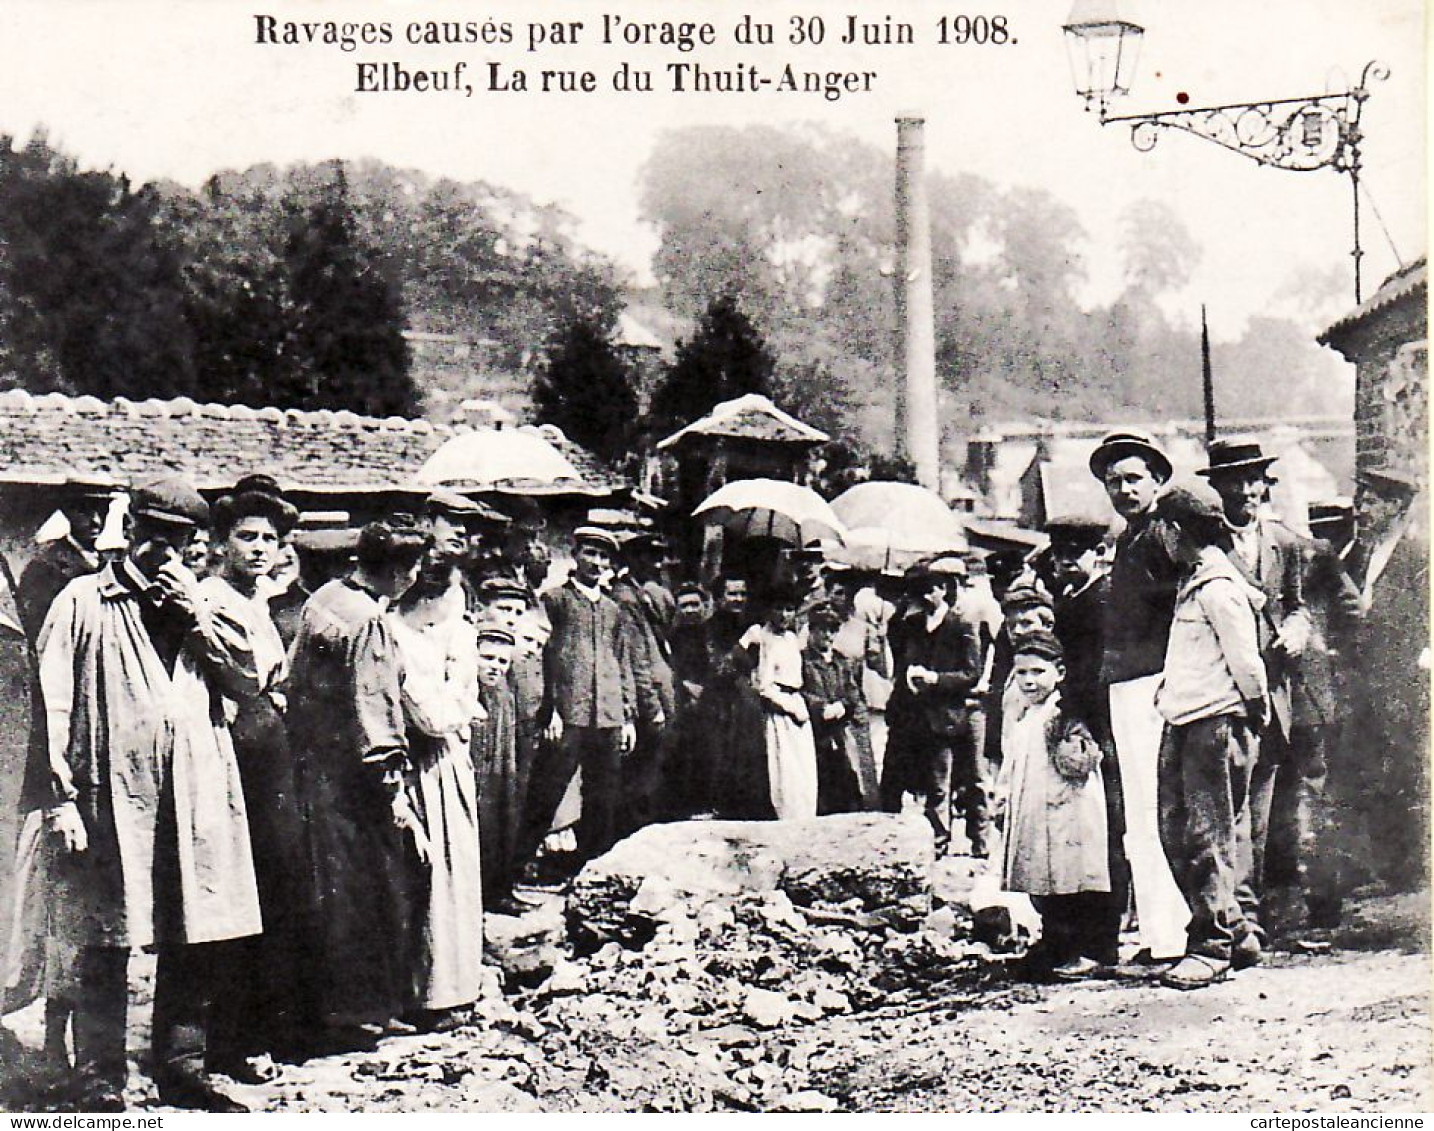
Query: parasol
x,y
772,508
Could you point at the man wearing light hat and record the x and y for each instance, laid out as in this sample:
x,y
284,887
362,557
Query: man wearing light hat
x,y
1267,553
1144,580
146,798
590,700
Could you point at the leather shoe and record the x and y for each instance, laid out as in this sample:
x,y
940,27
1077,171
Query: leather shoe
x,y
1194,972
1247,952
197,1093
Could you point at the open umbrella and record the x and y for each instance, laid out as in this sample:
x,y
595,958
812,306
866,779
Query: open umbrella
x,y
902,519
495,459
772,508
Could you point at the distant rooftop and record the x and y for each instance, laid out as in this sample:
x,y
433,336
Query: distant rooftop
x,y
750,417
50,437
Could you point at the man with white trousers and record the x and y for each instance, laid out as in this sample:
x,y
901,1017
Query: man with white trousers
x,y
1143,584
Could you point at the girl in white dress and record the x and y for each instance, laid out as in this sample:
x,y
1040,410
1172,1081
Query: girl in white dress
x,y
791,748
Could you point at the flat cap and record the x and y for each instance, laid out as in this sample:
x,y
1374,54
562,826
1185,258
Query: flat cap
x,y
596,536
1389,481
172,499
1080,528
1190,502
1038,642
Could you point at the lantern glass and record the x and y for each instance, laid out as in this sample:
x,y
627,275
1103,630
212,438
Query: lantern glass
x,y
1103,49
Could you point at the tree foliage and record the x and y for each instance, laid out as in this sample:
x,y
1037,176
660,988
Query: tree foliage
x,y
799,223
587,390
725,358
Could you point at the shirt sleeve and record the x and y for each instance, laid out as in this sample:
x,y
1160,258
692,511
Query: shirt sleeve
x,y
378,694
57,647
1233,622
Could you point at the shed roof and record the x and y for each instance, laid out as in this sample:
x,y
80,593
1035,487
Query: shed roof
x,y
750,417
1408,282
48,438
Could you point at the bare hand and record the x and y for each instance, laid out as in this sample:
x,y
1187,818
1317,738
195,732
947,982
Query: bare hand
x,y
178,587
553,732
66,821
406,820
833,711
628,740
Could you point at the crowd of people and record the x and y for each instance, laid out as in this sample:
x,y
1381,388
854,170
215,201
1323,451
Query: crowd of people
x,y
306,802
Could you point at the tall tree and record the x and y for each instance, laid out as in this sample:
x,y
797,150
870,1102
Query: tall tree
x,y
347,329
726,358
587,390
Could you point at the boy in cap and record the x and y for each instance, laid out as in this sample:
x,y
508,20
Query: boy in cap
x,y
1214,698
495,763
1054,847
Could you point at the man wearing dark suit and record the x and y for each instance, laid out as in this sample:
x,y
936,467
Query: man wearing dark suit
x,y
647,609
589,706
85,503
932,750
1268,555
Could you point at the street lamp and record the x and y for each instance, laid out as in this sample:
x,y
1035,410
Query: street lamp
x,y
1317,131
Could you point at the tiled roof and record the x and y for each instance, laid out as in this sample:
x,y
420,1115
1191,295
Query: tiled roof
x,y
751,417
1407,281
47,438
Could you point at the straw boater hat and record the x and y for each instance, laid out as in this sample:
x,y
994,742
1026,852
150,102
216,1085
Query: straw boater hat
x,y
1130,442
96,487
1237,456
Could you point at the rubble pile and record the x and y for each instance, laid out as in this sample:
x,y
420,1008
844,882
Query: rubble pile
x,y
695,946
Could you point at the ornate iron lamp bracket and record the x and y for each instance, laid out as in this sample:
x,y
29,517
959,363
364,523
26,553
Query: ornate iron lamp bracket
x,y
1301,134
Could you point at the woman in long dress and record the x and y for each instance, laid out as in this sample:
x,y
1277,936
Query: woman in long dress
x,y
438,644
261,1009
791,747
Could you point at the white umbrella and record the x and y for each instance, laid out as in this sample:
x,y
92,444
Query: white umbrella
x,y
493,459
772,508
900,518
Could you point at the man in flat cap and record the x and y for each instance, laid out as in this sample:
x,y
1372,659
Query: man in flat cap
x,y
1267,553
589,710
1390,564
1136,627
146,797
85,503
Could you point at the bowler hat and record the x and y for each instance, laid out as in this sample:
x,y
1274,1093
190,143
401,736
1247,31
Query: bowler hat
x,y
1390,481
1130,442
171,499
1235,456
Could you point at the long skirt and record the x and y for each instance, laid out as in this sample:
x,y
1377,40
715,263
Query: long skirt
x,y
791,767
449,958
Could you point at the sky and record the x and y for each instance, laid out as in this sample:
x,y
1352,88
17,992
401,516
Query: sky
x,y
180,89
